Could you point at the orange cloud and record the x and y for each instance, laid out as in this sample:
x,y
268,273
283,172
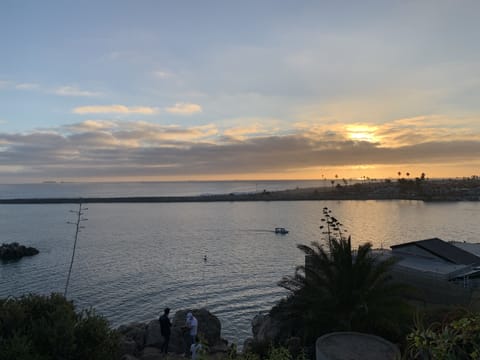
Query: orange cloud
x,y
241,132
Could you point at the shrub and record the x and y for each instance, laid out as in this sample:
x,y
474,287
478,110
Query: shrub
x,y
265,351
455,339
46,327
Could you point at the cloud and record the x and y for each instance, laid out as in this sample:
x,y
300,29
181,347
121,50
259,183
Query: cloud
x,y
137,133
74,91
61,90
115,109
162,74
243,132
4,84
27,86
113,148
184,109
396,133
91,125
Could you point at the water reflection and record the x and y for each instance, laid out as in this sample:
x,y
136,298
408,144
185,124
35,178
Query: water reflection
x,y
132,260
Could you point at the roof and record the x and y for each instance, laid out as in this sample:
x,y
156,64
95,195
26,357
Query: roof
x,y
443,250
428,266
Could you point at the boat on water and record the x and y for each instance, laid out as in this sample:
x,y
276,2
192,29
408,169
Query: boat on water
x,y
281,230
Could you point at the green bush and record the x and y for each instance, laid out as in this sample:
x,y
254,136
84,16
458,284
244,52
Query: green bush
x,y
39,327
265,351
454,339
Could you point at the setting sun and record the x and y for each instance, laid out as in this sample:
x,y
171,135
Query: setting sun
x,y
362,133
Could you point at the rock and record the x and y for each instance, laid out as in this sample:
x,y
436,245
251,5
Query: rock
x,y
248,345
127,346
220,347
209,329
257,323
135,332
14,251
136,337
153,335
151,353
128,357
266,329
123,329
294,346
177,343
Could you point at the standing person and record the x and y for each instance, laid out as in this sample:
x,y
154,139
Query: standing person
x,y
191,324
195,348
165,326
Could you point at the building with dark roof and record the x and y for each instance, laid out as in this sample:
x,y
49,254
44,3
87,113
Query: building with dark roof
x,y
436,249
440,272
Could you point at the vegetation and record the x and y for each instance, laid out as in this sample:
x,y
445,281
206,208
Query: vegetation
x,y
36,327
270,353
342,290
457,338
412,186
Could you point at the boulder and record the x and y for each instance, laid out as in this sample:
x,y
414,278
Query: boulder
x,y
137,337
136,332
219,347
153,336
209,327
128,357
14,251
265,328
248,345
294,346
177,343
151,353
258,322
127,346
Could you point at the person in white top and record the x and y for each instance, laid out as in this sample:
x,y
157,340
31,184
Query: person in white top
x,y
192,324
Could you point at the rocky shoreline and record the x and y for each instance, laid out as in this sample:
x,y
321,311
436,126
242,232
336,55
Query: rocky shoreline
x,y
422,190
142,341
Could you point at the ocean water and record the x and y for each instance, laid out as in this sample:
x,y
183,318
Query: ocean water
x,y
132,260
184,188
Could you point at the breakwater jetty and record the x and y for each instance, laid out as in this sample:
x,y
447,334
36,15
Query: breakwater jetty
x,y
423,190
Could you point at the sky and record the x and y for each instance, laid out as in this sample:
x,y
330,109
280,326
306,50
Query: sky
x,y
234,90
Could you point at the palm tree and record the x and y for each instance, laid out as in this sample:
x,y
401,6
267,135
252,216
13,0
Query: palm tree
x,y
345,290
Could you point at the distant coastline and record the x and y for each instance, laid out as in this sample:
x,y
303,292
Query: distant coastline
x,y
402,189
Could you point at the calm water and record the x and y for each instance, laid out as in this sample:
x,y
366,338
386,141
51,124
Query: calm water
x,y
132,260
186,188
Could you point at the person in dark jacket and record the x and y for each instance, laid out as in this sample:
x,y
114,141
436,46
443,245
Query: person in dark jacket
x,y
165,326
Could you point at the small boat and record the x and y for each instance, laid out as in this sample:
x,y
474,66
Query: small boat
x,y
280,230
